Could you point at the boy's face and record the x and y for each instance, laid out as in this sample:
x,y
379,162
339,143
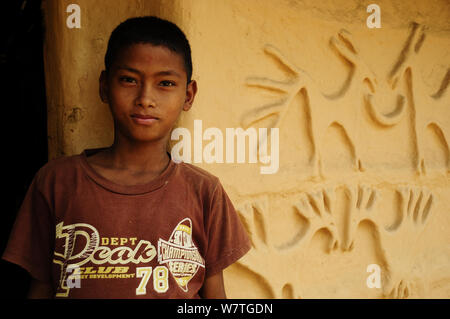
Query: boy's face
x,y
146,91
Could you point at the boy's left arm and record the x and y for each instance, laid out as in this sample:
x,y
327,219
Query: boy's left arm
x,y
213,287
227,242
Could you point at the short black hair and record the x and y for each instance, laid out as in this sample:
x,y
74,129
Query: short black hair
x,y
152,30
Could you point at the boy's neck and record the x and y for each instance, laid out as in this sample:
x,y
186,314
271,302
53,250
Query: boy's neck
x,y
138,157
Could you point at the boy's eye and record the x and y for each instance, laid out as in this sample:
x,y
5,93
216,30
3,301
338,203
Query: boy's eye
x,y
127,79
167,83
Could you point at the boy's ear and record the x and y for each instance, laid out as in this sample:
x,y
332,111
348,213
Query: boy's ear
x,y
191,90
103,87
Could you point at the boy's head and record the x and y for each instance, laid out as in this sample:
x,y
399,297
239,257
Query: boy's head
x,y
147,79
149,30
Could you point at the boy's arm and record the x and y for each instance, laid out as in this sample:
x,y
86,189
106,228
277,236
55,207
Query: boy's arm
x,y
40,290
213,287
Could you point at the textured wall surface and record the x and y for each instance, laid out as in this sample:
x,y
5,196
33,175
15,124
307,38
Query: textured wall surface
x,y
364,131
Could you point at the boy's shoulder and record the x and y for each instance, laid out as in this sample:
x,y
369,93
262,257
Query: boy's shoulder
x,y
192,173
64,166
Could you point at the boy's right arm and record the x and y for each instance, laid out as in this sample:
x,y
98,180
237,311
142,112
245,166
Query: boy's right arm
x,y
40,290
31,240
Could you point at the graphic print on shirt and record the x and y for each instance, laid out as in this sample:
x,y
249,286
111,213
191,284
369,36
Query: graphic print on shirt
x,y
180,253
81,243
82,253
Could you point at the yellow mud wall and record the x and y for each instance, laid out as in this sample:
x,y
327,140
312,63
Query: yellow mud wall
x,y
363,116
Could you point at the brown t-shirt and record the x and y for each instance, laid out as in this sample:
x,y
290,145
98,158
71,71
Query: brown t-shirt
x,y
93,238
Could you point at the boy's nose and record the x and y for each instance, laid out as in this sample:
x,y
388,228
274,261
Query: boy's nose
x,y
146,98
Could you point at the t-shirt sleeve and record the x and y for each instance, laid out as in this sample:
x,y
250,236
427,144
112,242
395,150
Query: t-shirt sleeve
x,y
227,239
30,242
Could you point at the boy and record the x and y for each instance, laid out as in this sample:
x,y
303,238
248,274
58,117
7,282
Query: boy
x,y
127,221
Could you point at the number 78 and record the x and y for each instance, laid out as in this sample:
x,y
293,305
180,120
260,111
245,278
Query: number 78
x,y
160,279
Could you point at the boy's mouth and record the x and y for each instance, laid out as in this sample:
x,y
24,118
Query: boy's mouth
x,y
143,119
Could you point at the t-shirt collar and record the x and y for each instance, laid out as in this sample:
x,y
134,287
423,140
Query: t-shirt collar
x,y
139,189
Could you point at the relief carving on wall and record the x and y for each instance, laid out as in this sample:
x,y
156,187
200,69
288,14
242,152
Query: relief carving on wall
x,y
396,243
412,204
406,89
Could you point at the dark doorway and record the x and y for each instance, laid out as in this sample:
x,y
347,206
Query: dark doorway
x,y
24,111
